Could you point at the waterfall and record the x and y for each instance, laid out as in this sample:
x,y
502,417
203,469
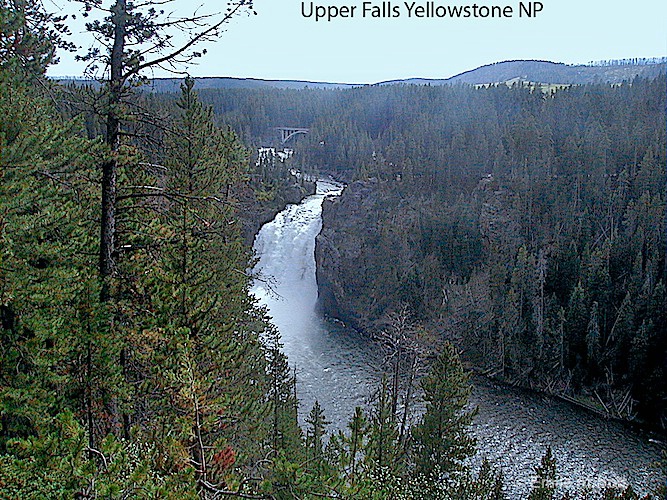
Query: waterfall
x,y
333,365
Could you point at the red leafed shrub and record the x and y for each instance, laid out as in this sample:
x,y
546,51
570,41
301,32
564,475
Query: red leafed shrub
x,y
225,458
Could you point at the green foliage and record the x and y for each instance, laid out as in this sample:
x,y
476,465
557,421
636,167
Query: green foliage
x,y
49,464
529,227
316,424
193,332
487,485
53,324
383,452
193,372
544,487
57,463
353,446
29,36
441,437
286,435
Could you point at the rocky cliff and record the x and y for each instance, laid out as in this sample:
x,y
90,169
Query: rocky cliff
x,y
342,255
383,247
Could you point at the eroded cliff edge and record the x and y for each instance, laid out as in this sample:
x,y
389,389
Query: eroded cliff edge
x,y
341,255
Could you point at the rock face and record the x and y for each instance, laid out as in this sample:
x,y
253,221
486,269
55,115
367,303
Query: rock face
x,y
340,253
380,248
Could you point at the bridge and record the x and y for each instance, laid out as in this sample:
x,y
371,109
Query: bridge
x,y
286,133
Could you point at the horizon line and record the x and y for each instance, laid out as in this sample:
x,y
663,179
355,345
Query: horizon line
x,y
637,61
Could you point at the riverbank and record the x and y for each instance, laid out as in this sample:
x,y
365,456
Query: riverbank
x,y
581,402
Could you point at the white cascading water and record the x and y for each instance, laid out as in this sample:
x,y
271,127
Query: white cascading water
x,y
333,365
340,369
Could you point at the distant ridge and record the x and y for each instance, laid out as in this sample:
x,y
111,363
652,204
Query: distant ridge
x,y
547,72
536,71
550,72
173,84
167,85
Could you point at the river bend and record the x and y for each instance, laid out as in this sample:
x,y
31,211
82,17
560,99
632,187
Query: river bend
x,y
340,369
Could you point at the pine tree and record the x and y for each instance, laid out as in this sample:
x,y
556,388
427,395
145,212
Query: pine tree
x,y
576,321
441,437
134,39
346,451
593,340
383,448
45,277
358,427
286,436
316,424
193,331
544,487
55,384
130,39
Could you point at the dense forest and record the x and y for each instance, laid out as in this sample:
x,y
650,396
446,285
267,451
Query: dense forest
x,y
134,363
526,224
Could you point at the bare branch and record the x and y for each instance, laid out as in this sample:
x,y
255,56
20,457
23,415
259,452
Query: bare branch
x,y
214,489
206,34
98,453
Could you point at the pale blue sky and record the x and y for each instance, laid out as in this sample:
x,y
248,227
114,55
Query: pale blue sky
x,y
279,43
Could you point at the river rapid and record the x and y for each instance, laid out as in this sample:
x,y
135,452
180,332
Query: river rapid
x,y
341,369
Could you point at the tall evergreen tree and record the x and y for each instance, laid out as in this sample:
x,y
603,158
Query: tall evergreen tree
x,y
131,38
358,427
55,386
135,38
382,452
285,432
193,327
316,424
593,348
441,437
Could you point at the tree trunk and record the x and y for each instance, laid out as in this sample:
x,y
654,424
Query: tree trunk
x,y
109,168
408,401
107,267
108,226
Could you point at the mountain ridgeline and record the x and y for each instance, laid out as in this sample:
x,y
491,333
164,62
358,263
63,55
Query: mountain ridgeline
x,y
547,72
544,72
525,223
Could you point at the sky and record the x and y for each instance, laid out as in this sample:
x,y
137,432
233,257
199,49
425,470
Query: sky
x,y
281,43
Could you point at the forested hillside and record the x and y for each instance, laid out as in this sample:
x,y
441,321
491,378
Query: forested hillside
x,y
529,227
145,375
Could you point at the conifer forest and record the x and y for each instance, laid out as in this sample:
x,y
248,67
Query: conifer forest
x,y
514,231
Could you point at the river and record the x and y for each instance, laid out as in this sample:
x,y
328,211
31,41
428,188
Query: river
x,y
341,369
